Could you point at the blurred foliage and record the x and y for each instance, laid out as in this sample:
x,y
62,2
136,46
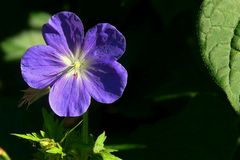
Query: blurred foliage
x,y
14,47
4,155
171,109
37,19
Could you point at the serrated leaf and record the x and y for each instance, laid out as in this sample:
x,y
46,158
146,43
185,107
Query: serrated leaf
x,y
108,156
104,152
37,19
32,137
99,144
219,32
14,47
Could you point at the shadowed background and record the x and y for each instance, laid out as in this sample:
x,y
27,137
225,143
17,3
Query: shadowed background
x,y
171,105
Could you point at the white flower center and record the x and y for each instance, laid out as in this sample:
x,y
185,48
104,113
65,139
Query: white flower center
x,y
75,66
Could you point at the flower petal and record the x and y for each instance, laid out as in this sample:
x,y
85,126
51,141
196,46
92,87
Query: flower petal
x,y
41,66
104,41
106,81
64,31
68,97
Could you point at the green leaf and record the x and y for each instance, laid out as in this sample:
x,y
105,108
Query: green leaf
x,y
14,47
32,137
219,32
108,156
99,144
42,133
37,19
104,152
56,150
47,145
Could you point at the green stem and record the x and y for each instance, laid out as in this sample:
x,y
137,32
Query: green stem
x,y
85,135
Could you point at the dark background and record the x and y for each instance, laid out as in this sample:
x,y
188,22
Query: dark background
x,y
171,104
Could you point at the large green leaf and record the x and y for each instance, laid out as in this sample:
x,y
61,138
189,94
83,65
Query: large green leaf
x,y
219,32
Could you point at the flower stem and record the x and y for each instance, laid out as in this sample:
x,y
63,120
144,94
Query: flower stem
x,y
85,135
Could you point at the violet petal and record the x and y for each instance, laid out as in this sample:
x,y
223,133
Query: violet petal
x,y
41,66
68,97
106,81
64,32
104,41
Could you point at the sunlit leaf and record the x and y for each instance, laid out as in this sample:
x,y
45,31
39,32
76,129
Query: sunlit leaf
x,y
99,149
57,149
219,32
32,137
46,144
14,47
42,133
99,144
108,156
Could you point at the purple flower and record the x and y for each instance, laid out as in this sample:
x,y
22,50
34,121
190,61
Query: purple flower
x,y
75,67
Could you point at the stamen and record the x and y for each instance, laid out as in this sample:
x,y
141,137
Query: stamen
x,y
77,65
